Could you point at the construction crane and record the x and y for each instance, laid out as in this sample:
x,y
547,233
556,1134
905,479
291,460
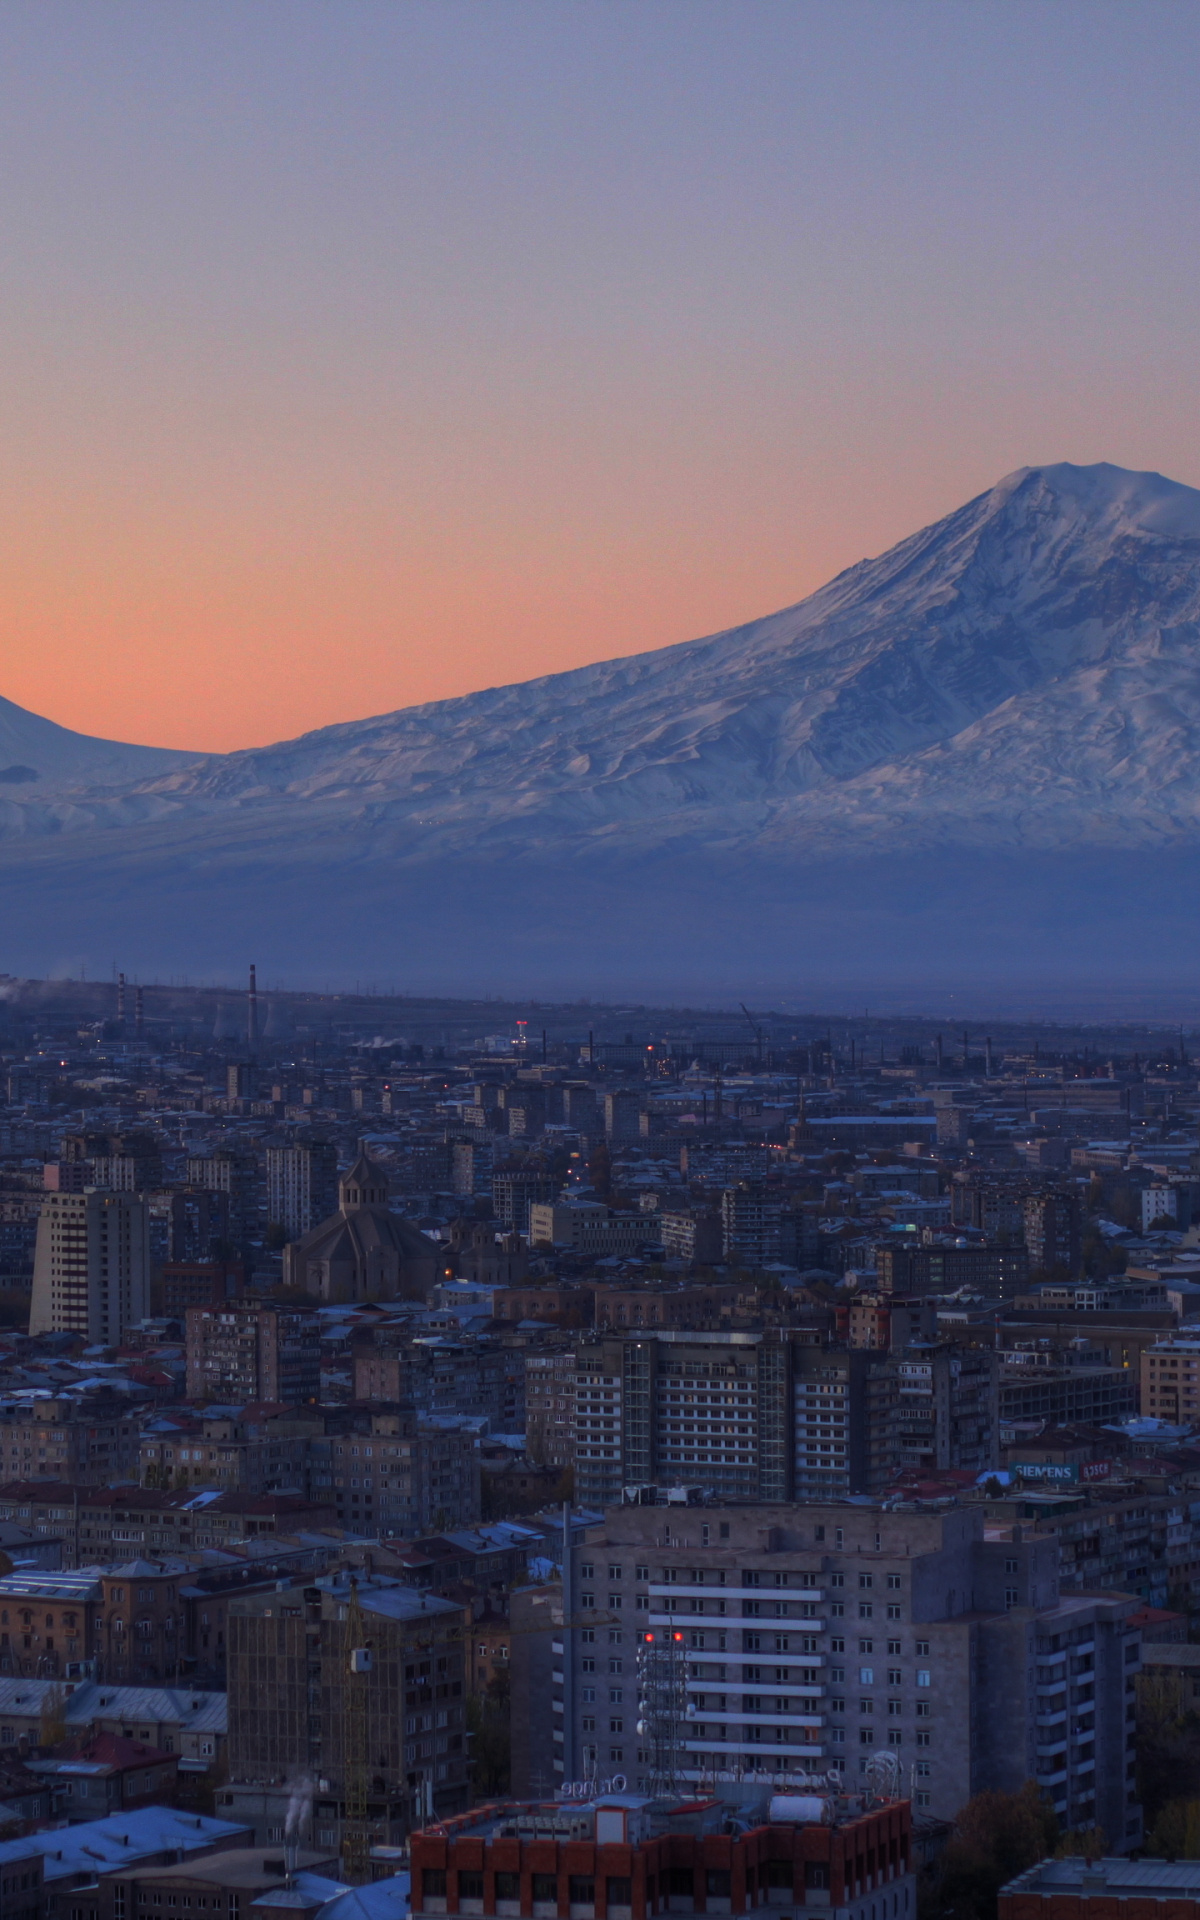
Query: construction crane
x,y
356,1676
755,1029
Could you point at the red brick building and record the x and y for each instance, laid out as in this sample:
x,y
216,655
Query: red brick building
x,y
623,1857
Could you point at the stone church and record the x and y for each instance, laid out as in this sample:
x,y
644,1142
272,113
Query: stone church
x,y
363,1251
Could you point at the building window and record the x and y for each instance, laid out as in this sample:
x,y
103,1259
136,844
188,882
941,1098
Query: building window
x,y
922,1676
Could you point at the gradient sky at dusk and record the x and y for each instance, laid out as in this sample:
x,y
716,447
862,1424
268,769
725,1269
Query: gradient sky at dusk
x,y
358,354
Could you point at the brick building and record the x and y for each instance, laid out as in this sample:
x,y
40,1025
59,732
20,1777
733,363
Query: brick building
x,y
622,1857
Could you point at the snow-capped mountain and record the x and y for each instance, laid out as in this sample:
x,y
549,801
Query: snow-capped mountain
x,y
36,753
1022,677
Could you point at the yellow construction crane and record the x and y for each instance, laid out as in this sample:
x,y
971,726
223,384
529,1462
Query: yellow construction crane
x,y
356,1677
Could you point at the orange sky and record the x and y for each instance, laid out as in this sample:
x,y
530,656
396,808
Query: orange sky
x,y
357,357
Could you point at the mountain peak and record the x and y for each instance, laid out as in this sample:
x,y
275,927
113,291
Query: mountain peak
x,y
1107,496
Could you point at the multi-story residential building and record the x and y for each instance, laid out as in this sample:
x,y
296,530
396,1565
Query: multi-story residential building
x,y
804,1638
256,1450
87,1439
478,1377
750,1215
944,1408
234,1174
122,1623
842,1399
631,1308
698,1408
100,1524
550,1406
515,1191
252,1350
1052,1231
91,1272
622,1115
289,1669
1170,1380
586,1226
772,1415
1127,1534
995,1272
387,1471
302,1185
697,1238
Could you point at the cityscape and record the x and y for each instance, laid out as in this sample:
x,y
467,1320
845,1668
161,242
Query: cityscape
x,y
599,988
673,1410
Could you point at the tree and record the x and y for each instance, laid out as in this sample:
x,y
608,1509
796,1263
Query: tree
x,y
1175,1834
997,1835
489,1725
1168,1751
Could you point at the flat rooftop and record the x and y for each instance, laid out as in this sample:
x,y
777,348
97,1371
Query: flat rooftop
x,y
1111,1879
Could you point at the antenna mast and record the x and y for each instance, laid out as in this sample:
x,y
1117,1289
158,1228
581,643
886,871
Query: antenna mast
x,y
662,1706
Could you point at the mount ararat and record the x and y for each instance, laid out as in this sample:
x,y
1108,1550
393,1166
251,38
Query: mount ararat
x,y
977,756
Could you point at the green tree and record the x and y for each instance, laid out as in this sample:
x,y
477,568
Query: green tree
x,y
1168,1747
489,1723
997,1835
1175,1834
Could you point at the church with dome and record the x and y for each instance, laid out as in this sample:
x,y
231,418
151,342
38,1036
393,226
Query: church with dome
x,y
363,1251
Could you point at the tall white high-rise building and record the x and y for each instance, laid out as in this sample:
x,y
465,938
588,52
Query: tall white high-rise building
x,y
91,1272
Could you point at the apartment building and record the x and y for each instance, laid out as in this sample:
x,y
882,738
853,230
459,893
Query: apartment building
x,y
89,1440
550,1407
585,1226
695,1408
126,1620
1053,1235
258,1450
91,1269
250,1350
750,1231
770,1415
1170,1380
997,1272
386,1471
789,1641
289,1668
302,1186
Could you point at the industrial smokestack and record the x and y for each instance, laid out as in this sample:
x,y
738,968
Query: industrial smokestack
x,y
121,998
252,1010
139,1023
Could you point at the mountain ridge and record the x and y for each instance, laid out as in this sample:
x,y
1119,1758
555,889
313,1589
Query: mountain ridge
x,y
1020,678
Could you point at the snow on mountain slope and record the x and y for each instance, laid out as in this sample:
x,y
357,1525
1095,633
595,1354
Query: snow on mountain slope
x,y
1026,672
37,754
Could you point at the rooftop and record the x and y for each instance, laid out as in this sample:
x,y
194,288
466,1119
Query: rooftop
x,y
1119,1879
121,1840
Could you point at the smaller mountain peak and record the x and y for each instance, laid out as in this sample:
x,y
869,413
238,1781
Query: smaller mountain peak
x,y
1109,497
